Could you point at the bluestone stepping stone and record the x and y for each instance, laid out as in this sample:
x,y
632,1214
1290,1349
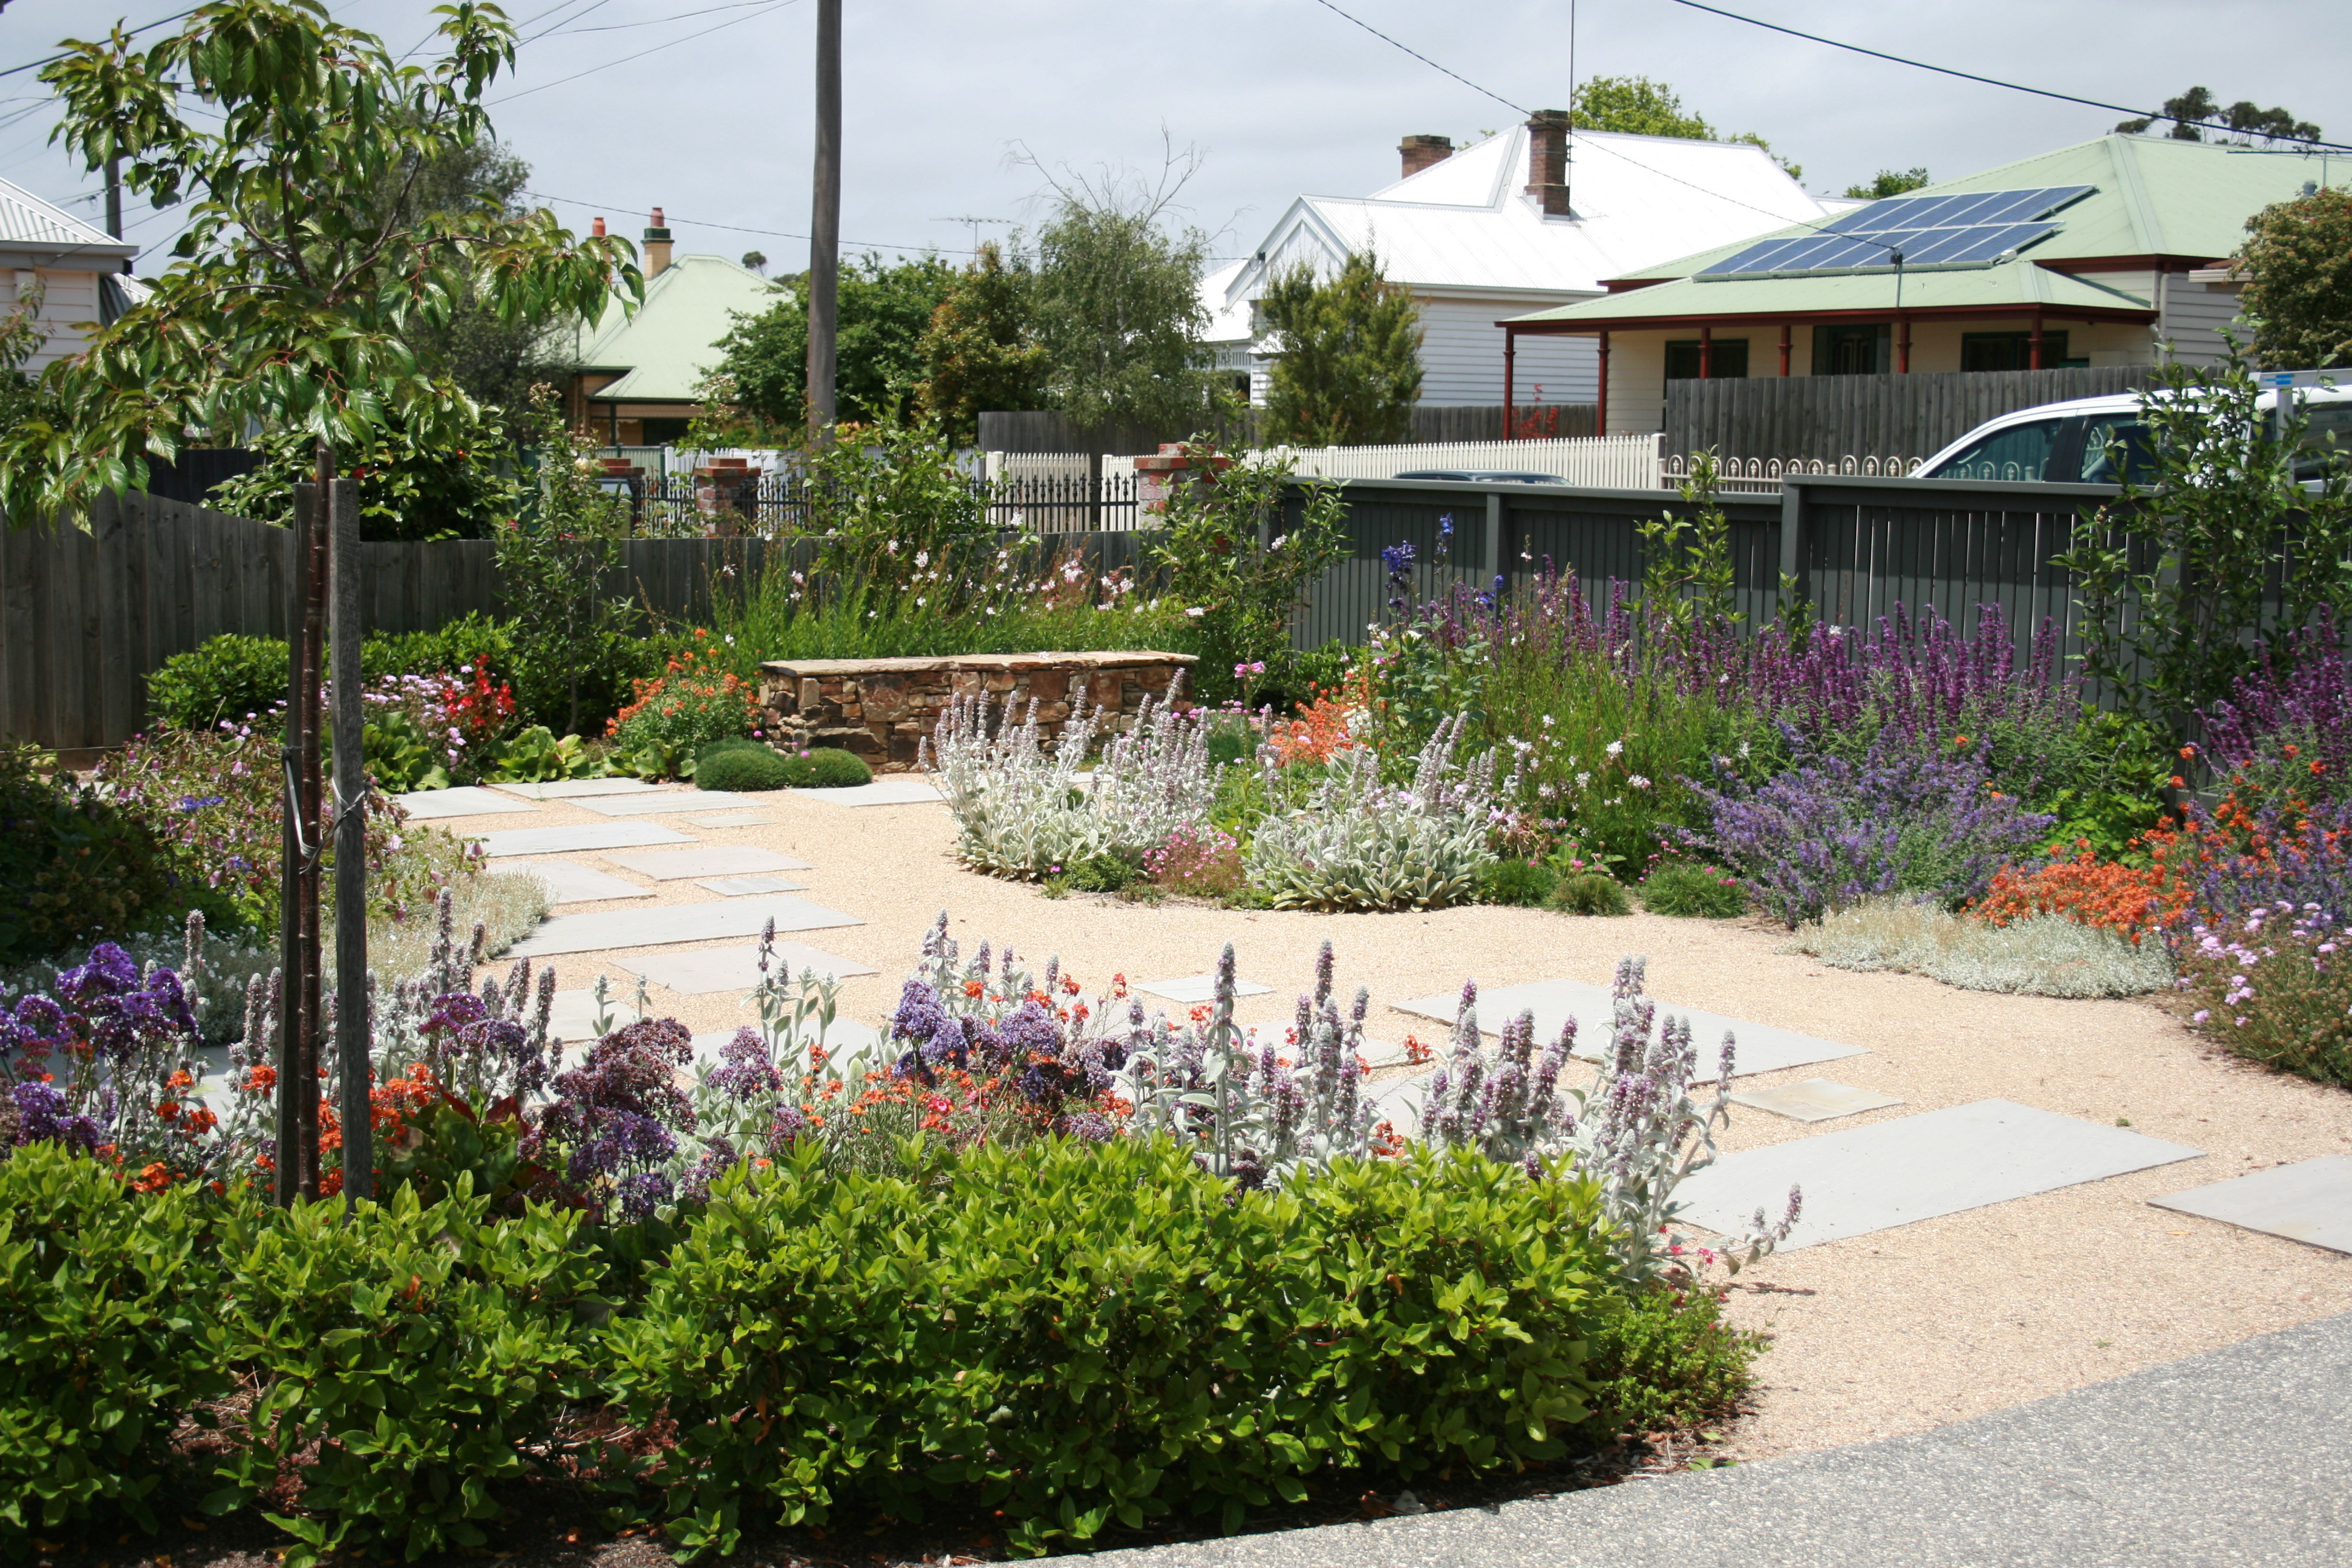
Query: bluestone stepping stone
x,y
663,802
742,886
735,819
2310,1201
1199,988
574,1017
1383,1053
702,972
568,840
467,800
1912,1168
1400,1103
709,860
569,882
881,792
575,789
1762,1047
1815,1099
615,929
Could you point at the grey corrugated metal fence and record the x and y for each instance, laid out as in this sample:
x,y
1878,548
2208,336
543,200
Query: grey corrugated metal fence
x,y
1833,417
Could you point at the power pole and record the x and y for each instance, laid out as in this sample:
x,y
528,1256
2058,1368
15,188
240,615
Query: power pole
x,y
824,225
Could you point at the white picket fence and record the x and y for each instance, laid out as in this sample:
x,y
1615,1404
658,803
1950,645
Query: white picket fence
x,y
1608,462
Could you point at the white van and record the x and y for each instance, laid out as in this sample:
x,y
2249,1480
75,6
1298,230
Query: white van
x,y
2070,442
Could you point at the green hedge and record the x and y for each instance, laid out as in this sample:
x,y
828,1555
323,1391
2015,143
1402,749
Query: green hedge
x,y
1076,1334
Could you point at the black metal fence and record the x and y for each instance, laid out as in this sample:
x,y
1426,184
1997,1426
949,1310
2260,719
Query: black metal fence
x,y
778,505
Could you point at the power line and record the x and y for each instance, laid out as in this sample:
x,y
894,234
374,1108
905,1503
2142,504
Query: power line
x,y
653,21
631,59
1416,54
1970,76
35,64
738,228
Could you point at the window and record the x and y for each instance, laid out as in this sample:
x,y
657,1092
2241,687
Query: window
x,y
1726,359
1853,349
2129,436
2012,351
2019,452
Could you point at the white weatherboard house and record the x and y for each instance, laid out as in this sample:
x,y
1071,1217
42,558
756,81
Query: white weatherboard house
x,y
1536,213
79,271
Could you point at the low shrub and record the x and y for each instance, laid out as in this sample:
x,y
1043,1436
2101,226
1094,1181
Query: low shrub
x,y
471,640
826,767
1203,862
745,765
677,713
239,678
1688,887
106,1343
1359,843
1525,883
904,1340
2130,900
2029,955
1671,1361
2272,986
1590,893
76,864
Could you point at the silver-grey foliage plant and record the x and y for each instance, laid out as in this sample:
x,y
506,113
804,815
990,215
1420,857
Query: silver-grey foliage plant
x,y
1362,844
1021,809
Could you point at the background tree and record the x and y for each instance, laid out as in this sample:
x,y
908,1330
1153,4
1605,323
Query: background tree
x,y
1636,106
885,309
20,340
755,261
2299,291
980,352
2195,114
1348,364
1888,182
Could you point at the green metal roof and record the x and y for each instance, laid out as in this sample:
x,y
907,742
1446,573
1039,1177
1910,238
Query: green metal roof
x,y
2151,196
666,348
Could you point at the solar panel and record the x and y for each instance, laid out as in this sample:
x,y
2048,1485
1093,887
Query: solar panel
x,y
1970,227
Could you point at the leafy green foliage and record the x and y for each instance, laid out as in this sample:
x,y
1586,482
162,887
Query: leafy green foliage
x,y
75,866
886,309
826,767
238,678
2298,258
1239,552
1590,893
1670,1360
1887,183
452,481
20,338
739,763
2196,113
105,1342
574,647
1689,888
892,505
1116,308
947,1331
1526,884
1638,107
981,351
1687,571
1348,367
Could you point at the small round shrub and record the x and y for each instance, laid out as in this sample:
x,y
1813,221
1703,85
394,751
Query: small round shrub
x,y
1102,874
1524,883
826,767
1590,893
1687,887
745,765
227,676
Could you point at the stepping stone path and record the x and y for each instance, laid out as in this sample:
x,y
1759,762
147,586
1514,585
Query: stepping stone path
x,y
1762,1047
566,841
569,882
707,860
1888,1174
735,819
737,968
572,1019
2310,1201
575,789
617,929
430,805
882,791
741,887
1815,1099
1199,988
667,801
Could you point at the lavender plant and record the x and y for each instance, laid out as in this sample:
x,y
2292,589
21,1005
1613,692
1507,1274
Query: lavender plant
x,y
1362,844
2286,729
1021,809
2271,985
1643,1124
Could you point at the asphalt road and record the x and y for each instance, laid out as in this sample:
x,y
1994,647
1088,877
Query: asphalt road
x,y
2241,1456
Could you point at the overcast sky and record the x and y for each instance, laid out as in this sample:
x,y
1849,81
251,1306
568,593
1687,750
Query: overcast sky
x,y
943,97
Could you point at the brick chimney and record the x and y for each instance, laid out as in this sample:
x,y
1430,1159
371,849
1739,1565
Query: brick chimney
x,y
656,246
597,228
1421,152
1548,161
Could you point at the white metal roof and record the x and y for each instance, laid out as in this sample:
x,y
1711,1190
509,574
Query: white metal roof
x,y
1465,223
28,223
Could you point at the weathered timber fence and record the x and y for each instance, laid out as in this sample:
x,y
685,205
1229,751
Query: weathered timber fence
x,y
1833,417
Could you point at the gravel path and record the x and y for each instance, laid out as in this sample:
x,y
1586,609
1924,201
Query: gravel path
x,y
1873,1336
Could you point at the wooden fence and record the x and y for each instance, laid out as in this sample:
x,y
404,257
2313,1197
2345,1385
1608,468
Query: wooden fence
x,y
1833,416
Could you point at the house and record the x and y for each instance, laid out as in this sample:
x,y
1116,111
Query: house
x,y
1527,220
80,272
2113,252
639,376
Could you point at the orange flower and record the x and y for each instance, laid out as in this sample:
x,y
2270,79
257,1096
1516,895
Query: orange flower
x,y
154,1178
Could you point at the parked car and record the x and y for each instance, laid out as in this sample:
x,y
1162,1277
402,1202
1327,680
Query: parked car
x,y
1486,475
2080,441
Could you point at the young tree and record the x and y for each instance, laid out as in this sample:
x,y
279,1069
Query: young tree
x,y
980,352
885,309
1888,182
1348,364
1636,106
20,340
2299,289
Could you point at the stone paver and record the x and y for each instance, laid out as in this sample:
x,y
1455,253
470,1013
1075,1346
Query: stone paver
x,y
569,882
466,800
575,789
1199,988
707,860
882,791
1887,1174
665,802
607,929
568,840
1814,1099
1762,1048
735,819
742,886
573,1016
705,970
2309,1200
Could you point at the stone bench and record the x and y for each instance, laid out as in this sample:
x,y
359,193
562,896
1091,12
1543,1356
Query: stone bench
x,y
881,709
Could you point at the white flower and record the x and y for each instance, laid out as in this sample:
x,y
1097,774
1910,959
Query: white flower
x,y
1638,782
922,558
1196,611
1615,748
1547,720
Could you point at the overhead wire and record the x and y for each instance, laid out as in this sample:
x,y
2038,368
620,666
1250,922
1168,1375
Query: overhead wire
x,y
631,59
